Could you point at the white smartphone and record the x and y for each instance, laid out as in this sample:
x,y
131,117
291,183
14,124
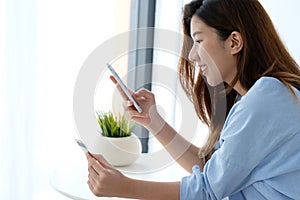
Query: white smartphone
x,y
124,88
82,145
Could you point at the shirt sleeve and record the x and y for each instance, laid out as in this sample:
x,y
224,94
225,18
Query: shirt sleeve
x,y
193,186
247,138
221,176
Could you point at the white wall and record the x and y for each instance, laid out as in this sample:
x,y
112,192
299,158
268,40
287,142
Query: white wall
x,y
286,18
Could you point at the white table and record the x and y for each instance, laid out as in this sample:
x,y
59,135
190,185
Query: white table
x,y
72,181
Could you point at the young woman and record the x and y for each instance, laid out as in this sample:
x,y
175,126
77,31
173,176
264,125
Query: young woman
x,y
245,86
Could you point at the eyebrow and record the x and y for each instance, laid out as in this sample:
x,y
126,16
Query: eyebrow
x,y
195,33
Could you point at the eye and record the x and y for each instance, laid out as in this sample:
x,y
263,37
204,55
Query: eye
x,y
199,41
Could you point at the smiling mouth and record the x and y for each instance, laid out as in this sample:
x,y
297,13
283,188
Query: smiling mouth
x,y
203,69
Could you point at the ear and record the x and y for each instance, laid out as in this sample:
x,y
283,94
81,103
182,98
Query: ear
x,y
236,42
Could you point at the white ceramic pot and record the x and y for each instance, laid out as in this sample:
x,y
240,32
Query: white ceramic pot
x,y
118,151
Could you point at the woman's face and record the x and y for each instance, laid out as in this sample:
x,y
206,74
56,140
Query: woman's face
x,y
213,56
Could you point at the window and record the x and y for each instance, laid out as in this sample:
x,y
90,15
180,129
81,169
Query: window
x,y
168,17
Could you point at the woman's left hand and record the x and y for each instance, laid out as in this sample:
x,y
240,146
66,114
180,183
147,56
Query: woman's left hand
x,y
103,179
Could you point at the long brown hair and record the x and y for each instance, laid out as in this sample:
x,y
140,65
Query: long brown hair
x,y
263,54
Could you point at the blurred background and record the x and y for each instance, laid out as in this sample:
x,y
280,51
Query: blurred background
x,y
43,45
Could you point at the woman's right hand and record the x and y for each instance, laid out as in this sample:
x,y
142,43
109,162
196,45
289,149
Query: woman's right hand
x,y
149,118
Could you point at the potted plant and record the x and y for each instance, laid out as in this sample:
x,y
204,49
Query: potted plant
x,y
122,147
112,126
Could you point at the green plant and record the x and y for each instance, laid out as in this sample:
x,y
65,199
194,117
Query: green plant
x,y
112,126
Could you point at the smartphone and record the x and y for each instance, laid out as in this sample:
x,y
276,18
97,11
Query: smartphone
x,y
82,145
124,88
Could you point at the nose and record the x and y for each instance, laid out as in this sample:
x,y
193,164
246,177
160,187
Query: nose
x,y
193,55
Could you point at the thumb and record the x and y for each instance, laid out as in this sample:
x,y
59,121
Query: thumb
x,y
101,160
144,93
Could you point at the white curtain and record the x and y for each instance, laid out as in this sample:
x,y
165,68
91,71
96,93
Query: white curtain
x,y
18,96
42,47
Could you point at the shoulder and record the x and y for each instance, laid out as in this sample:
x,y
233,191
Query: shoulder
x,y
268,93
267,101
265,117
268,82
266,87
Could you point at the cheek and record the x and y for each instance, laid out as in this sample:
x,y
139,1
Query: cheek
x,y
215,71
207,57
204,55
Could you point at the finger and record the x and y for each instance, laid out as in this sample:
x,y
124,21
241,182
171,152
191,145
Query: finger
x,y
144,93
92,170
98,165
129,109
90,158
138,97
93,175
127,105
137,117
113,79
92,178
124,96
95,164
102,160
134,113
93,188
88,155
91,185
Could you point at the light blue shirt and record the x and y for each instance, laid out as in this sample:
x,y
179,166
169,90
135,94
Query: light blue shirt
x,y
259,149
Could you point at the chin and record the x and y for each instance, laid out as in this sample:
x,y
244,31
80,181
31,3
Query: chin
x,y
213,82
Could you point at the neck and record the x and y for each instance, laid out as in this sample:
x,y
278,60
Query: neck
x,y
241,90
